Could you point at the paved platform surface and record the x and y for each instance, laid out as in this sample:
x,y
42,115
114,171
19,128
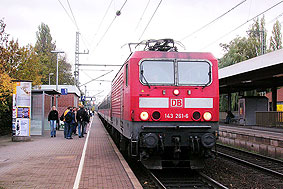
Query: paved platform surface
x,y
54,162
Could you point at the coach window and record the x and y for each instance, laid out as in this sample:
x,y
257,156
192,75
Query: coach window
x,y
157,72
127,74
194,73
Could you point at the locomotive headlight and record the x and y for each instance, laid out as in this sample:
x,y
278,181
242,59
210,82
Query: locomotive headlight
x,y
207,116
144,116
176,92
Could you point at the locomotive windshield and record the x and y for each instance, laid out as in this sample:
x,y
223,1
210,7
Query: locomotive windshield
x,y
162,72
157,72
194,73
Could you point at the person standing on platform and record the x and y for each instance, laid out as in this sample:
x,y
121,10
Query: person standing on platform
x,y
86,120
74,121
53,118
67,123
81,124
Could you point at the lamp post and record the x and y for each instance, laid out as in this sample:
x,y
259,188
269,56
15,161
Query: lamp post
x,y
49,77
57,74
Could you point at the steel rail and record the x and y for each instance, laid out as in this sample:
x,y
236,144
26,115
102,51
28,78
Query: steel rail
x,y
197,180
156,180
212,182
252,164
251,153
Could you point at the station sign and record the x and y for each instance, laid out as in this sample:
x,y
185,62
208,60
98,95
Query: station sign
x,y
82,98
64,91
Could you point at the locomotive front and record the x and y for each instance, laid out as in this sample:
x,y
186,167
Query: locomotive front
x,y
175,108
165,107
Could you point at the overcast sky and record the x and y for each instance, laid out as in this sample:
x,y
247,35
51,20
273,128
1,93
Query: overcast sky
x,y
173,19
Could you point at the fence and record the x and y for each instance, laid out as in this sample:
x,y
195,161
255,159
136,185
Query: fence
x,y
269,118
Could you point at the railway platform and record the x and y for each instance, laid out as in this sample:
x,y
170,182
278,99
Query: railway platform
x,y
263,140
90,162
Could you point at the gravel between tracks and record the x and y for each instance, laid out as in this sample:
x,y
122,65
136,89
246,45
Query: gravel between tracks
x,y
234,175
226,172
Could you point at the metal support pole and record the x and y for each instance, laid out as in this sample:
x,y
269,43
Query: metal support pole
x,y
229,102
262,42
77,60
57,74
49,78
42,114
274,98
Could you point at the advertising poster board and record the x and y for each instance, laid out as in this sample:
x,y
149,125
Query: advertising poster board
x,y
21,112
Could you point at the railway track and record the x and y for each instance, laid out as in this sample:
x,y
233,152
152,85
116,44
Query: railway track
x,y
263,163
182,178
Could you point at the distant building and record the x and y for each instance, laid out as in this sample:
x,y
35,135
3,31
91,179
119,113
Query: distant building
x,y
44,97
279,99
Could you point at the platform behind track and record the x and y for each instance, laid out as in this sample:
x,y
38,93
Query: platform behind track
x,y
262,140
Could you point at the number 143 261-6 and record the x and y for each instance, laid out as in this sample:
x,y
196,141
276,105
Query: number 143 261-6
x,y
176,116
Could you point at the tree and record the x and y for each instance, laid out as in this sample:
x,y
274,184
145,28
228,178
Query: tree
x,y
44,45
5,79
16,63
244,48
276,38
5,84
241,49
65,72
238,50
257,35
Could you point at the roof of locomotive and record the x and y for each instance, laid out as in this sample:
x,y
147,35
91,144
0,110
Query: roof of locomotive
x,y
173,55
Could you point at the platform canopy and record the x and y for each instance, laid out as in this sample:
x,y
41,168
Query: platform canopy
x,y
262,72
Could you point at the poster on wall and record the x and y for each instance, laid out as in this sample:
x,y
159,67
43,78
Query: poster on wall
x,y
23,112
23,96
21,108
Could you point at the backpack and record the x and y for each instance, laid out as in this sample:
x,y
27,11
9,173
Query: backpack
x,y
62,117
80,115
68,117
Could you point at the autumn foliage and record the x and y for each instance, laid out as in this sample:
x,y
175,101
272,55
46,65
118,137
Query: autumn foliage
x,y
26,63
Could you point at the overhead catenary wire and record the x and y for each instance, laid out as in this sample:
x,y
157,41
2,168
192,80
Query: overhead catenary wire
x,y
67,13
100,24
201,28
73,19
142,14
102,37
150,19
86,44
276,18
96,78
243,24
73,16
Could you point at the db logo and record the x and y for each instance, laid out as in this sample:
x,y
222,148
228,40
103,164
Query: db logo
x,y
176,103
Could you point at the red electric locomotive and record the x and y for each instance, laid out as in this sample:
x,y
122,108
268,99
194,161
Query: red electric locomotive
x,y
163,108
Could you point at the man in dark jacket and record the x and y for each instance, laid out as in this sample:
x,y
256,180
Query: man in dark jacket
x,y
67,123
81,123
53,118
